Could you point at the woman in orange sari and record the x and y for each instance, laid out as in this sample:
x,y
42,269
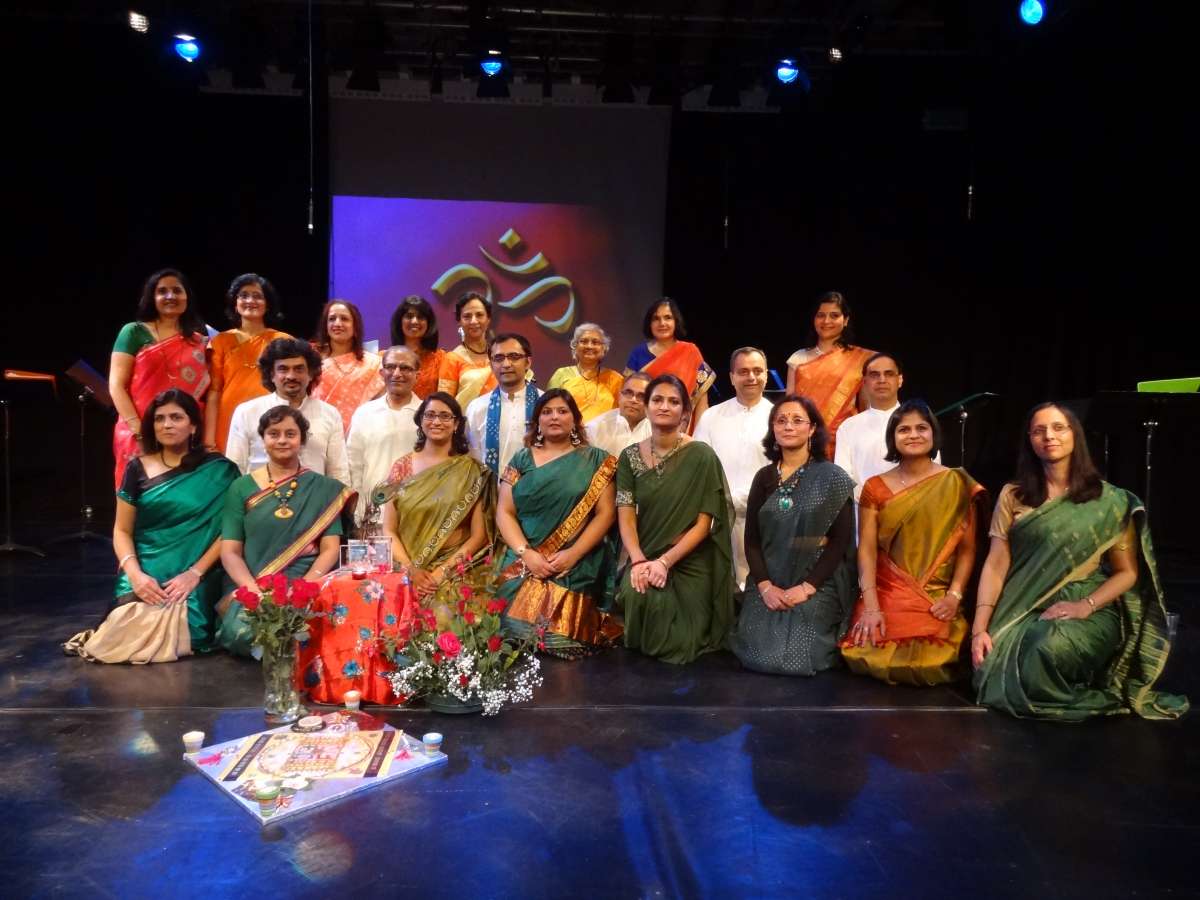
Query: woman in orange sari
x,y
830,372
666,353
466,371
915,554
162,348
349,374
233,355
415,326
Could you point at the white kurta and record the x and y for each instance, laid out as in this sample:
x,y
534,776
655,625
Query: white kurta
x,y
610,431
512,424
324,452
862,445
736,432
379,435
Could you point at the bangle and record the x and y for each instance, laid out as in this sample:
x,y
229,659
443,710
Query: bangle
x,y
975,634
956,594
1090,602
663,559
317,572
639,562
192,569
121,561
985,605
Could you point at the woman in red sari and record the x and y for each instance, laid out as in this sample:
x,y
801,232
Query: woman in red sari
x,y
162,348
666,353
830,373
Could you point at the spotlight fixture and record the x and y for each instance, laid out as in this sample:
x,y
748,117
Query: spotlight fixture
x,y
786,70
835,55
187,47
138,22
492,63
1032,11
791,84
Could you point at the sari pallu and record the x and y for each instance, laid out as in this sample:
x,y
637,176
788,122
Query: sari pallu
x,y
683,360
832,381
801,640
234,370
920,530
1072,669
593,396
463,378
433,507
427,375
692,614
554,503
177,362
273,545
348,382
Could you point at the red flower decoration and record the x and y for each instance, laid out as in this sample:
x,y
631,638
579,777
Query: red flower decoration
x,y
251,601
264,583
463,680
449,643
279,586
437,656
541,645
495,607
469,617
427,615
494,643
462,606
466,591
461,567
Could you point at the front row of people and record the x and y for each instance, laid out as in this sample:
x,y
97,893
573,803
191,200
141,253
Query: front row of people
x,y
1068,623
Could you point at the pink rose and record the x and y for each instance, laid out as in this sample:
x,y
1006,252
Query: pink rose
x,y
449,643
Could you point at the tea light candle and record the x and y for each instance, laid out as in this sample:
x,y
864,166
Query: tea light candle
x,y
193,741
351,699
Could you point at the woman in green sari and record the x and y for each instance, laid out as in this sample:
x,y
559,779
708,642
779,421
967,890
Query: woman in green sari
x,y
674,514
167,540
800,549
556,506
280,518
1070,621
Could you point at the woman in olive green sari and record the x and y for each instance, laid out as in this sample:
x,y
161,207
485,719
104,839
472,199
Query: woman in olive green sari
x,y
555,508
281,518
167,540
674,514
1070,621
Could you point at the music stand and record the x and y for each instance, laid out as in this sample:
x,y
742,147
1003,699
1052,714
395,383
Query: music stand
x,y
961,407
92,386
9,545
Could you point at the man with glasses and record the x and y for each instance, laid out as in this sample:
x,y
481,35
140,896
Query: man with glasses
x,y
384,429
627,424
735,430
862,439
496,421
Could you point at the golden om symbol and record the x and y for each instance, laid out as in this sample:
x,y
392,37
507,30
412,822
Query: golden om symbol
x,y
512,242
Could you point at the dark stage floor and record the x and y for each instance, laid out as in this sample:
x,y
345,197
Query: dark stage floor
x,y
628,779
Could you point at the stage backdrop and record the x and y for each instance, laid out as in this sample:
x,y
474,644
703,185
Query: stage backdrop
x,y
554,213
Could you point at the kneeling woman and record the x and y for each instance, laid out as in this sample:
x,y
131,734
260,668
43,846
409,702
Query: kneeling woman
x,y
556,506
916,549
278,518
167,538
1070,620
674,513
800,549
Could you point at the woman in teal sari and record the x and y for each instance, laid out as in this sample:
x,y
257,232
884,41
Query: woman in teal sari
x,y
556,506
167,540
674,513
800,549
278,518
1070,621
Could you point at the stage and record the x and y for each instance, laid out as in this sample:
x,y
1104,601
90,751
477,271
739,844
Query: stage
x,y
628,778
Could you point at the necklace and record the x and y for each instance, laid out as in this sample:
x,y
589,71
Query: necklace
x,y
595,382
283,511
660,461
166,464
482,352
786,488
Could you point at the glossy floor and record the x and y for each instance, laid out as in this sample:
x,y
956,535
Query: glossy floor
x,y
629,778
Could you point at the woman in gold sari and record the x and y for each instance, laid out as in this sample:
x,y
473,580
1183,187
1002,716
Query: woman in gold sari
x,y
915,554
594,387
557,503
830,372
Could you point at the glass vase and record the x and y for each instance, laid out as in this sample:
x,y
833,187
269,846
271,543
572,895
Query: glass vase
x,y
281,699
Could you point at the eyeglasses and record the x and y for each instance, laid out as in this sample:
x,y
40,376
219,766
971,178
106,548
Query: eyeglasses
x,y
1057,428
499,358
431,416
631,394
398,367
794,421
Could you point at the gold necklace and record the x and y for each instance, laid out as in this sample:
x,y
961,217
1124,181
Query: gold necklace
x,y
283,511
660,461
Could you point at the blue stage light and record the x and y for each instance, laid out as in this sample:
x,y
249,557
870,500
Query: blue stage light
x,y
787,71
1032,11
491,67
186,47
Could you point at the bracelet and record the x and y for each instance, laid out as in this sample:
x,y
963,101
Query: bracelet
x,y
318,572
192,569
520,551
985,605
663,559
975,634
635,563
1090,602
121,561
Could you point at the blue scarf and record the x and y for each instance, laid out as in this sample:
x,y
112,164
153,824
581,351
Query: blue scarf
x,y
491,431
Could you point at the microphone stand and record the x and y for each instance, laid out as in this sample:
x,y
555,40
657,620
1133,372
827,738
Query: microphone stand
x,y
960,407
84,533
9,546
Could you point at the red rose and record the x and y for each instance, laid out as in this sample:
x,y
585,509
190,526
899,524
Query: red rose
x,y
305,590
242,593
464,680
469,617
495,607
541,645
449,643
494,643
250,601
466,591
264,583
462,606
430,620
437,656
298,599
279,586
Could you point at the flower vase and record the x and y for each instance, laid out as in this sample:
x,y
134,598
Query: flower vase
x,y
281,699
451,705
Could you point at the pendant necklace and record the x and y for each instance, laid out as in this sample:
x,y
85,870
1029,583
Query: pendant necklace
x,y
787,487
283,511
660,461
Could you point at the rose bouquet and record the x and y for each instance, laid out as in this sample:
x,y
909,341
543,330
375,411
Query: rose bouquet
x,y
278,618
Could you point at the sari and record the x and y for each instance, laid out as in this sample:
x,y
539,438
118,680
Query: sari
x,y
554,502
1069,670
692,613
234,369
832,381
178,519
920,531
683,360
433,514
270,544
347,383
176,362
428,374
801,640
463,378
593,396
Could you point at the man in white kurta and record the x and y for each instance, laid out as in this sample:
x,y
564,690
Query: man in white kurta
x,y
627,424
511,359
293,377
384,429
735,430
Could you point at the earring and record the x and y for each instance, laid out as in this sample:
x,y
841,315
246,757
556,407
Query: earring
x,y
420,433
575,441
537,438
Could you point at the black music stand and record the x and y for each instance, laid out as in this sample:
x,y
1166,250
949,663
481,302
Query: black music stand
x,y
92,387
960,408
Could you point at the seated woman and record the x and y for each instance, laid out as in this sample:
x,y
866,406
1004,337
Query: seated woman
x,y
594,387
916,549
167,539
674,514
281,517
556,506
800,549
1069,622
438,506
